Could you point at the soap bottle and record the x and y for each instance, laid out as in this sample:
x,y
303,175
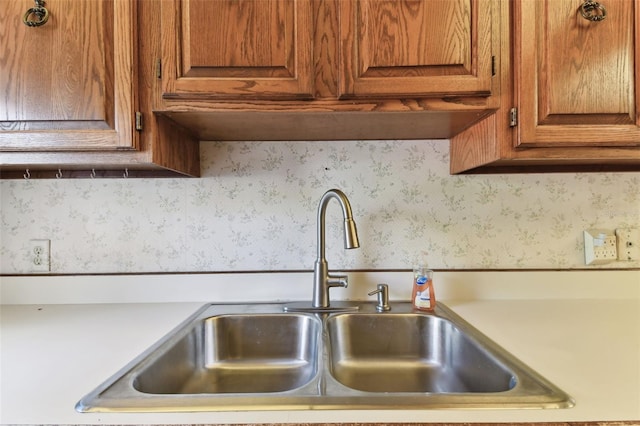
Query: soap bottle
x,y
423,297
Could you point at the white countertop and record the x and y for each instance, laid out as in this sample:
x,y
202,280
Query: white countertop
x,y
53,354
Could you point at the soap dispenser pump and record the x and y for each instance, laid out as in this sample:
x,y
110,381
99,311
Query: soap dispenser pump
x,y
383,298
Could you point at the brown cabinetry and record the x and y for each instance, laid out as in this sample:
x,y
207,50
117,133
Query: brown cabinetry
x,y
235,49
72,94
68,83
415,48
577,78
311,68
570,96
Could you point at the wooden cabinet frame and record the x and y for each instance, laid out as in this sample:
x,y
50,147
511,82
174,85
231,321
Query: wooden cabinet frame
x,y
159,147
558,55
463,70
255,102
114,126
287,76
491,145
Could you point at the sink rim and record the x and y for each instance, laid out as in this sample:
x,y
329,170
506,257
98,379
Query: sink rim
x,y
116,394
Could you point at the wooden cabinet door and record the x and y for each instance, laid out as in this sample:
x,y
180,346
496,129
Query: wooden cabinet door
x,y
68,85
237,49
577,80
415,47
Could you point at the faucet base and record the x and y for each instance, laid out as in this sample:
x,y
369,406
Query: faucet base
x,y
306,307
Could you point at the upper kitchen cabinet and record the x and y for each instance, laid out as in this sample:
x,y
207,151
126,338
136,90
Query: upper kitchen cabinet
x,y
237,49
415,47
69,83
577,76
328,69
77,92
569,99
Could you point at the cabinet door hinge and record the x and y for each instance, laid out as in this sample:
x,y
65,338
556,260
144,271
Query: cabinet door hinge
x,y
493,65
139,125
159,68
513,117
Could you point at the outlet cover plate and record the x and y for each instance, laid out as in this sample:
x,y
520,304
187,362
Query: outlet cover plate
x,y
628,243
600,246
40,255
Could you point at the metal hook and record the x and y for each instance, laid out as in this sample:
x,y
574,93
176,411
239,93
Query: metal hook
x,y
27,175
59,174
126,173
93,173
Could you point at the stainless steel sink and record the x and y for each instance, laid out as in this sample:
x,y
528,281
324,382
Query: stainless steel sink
x,y
411,353
257,357
235,354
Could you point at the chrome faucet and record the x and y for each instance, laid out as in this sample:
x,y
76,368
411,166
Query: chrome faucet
x,y
322,278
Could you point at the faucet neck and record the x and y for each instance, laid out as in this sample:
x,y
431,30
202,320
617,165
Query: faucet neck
x,y
322,279
351,236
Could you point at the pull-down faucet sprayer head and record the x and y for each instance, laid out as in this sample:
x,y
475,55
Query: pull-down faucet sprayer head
x,y
350,234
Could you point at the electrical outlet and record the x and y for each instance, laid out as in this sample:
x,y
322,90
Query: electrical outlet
x,y
600,247
40,255
628,243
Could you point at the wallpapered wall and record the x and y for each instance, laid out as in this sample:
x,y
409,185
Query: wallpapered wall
x,y
255,209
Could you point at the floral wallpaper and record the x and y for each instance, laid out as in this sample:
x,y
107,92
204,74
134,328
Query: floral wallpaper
x,y
255,209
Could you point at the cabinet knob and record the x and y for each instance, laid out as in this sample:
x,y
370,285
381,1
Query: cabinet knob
x,y
593,11
37,15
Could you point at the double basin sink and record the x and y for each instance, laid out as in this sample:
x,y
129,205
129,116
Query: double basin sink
x,y
257,357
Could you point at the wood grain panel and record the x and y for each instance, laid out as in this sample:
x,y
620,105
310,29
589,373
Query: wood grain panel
x,y
410,33
164,149
415,47
231,26
578,80
55,72
490,146
237,49
68,85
